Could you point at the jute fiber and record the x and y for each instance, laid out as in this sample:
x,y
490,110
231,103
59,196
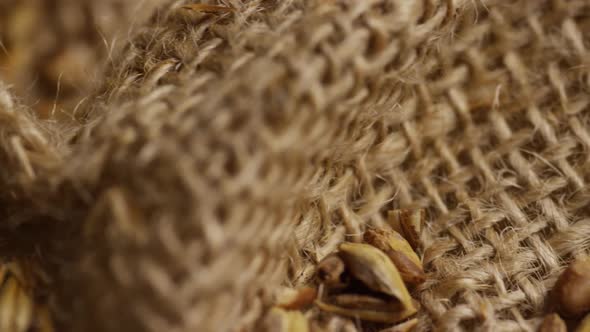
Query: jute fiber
x,y
225,154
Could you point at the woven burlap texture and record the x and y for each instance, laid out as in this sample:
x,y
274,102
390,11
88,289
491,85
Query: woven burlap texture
x,y
226,154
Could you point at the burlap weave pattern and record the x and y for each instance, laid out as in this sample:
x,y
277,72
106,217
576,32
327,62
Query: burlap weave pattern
x,y
226,154
493,142
247,158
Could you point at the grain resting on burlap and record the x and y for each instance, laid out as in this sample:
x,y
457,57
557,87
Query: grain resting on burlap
x,y
226,154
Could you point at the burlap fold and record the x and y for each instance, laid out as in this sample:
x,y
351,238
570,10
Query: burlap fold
x,y
227,153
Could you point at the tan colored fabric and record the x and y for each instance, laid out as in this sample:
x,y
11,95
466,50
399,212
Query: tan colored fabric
x,y
225,155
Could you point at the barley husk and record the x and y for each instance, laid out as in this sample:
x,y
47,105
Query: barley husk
x,y
400,252
553,323
571,293
584,325
371,266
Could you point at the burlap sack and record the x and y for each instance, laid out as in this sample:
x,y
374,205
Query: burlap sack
x,y
227,153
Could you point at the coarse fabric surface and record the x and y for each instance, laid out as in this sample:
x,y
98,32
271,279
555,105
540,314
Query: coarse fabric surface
x,y
225,154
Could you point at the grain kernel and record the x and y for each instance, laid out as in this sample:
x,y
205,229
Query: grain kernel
x,y
409,223
552,323
400,252
371,266
367,314
279,320
330,271
296,299
571,293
